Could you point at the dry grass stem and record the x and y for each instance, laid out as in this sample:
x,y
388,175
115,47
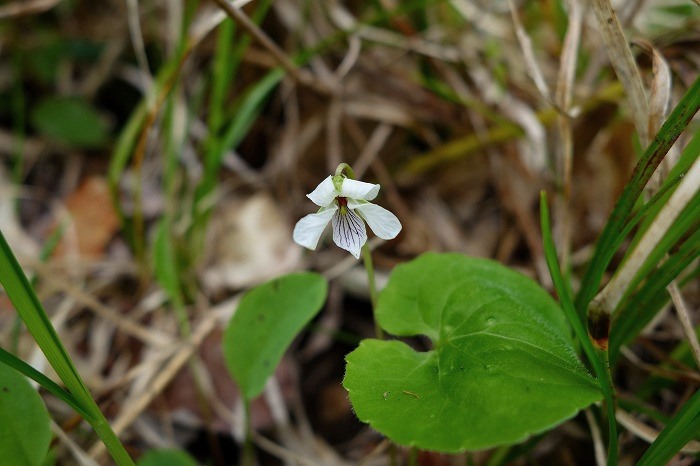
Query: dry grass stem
x,y
282,58
601,456
160,380
79,455
565,150
205,22
625,66
533,68
370,152
647,433
134,21
686,321
23,8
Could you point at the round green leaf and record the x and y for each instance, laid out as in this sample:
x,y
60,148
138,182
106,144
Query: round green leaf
x,y
166,458
264,325
502,365
70,120
24,421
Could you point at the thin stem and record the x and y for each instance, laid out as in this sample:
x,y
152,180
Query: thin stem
x,y
369,267
280,56
610,405
598,357
413,457
344,167
248,455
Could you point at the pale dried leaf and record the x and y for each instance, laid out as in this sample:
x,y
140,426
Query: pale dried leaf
x,y
251,243
623,62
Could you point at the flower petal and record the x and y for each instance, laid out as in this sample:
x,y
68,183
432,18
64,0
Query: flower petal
x,y
349,232
354,189
308,230
382,222
324,193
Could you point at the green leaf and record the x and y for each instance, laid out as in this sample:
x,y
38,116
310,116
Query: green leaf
x,y
166,458
502,365
264,325
70,120
24,421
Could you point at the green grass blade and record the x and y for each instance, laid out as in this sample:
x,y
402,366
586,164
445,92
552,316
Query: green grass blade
x,y
611,237
597,360
688,157
52,387
28,306
250,108
32,312
686,223
684,426
641,306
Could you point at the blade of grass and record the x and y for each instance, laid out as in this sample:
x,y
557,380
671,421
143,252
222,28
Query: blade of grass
x,y
28,306
227,60
597,358
52,387
44,254
611,238
678,216
688,157
641,307
250,108
684,426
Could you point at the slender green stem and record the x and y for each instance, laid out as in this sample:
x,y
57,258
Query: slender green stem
x,y
248,454
413,456
597,358
610,405
369,267
498,456
344,167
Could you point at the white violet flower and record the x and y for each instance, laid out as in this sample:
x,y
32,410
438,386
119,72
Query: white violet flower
x,y
345,202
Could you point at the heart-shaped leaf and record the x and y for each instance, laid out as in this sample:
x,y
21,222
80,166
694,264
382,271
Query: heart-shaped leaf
x,y
502,365
24,421
267,319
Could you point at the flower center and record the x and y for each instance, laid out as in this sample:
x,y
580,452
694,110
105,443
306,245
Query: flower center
x,y
343,204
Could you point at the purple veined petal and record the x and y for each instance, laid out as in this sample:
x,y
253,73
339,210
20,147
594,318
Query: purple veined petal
x,y
353,189
308,230
324,193
349,232
383,223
